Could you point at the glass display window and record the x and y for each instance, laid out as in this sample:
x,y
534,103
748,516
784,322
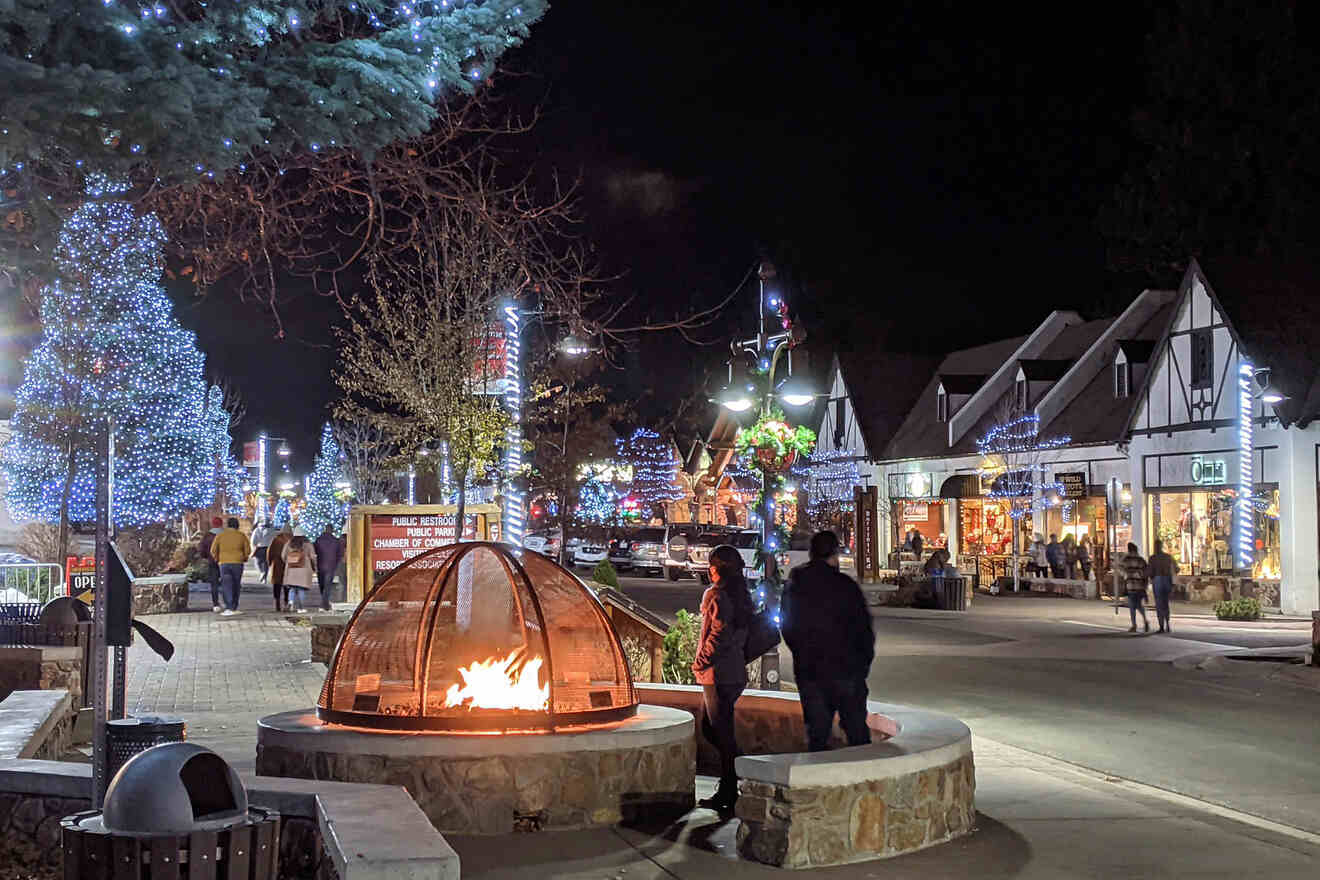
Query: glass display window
x,y
1196,529
985,528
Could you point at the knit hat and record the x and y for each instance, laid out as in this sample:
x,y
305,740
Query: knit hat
x,y
217,522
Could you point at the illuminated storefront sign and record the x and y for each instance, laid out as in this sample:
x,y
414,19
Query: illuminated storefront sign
x,y
1208,471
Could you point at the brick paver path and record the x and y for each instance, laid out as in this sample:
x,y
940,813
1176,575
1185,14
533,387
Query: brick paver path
x,y
226,673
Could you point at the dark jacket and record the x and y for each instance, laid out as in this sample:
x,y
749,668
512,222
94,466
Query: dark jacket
x,y
328,550
826,624
1054,553
722,642
1162,564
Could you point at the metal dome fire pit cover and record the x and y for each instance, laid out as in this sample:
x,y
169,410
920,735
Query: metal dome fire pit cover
x,y
473,637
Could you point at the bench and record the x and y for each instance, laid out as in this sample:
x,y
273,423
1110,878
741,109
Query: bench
x,y
912,787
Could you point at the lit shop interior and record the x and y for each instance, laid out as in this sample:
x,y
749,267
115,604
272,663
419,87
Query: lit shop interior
x,y
1197,529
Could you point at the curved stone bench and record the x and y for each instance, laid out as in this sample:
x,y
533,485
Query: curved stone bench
x,y
911,788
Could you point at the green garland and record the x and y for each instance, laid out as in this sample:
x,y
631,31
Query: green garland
x,y
771,432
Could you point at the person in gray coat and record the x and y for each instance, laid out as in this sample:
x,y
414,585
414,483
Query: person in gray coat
x,y
720,667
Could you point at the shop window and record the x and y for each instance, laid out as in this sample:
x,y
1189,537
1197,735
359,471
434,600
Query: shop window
x,y
1203,359
942,406
1122,380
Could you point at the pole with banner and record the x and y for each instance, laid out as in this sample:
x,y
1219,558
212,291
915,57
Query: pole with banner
x,y
105,477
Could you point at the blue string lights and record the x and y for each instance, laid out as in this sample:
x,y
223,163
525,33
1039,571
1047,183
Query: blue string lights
x,y
1012,453
111,347
323,504
1246,525
654,466
515,499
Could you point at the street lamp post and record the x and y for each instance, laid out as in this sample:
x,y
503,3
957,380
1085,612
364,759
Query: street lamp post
x,y
739,396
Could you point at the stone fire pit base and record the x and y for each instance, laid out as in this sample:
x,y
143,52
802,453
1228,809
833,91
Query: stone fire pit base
x,y
641,768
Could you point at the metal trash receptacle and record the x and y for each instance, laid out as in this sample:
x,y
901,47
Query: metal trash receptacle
x,y
953,593
176,810
126,737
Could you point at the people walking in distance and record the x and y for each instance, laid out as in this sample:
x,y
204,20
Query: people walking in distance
x,y
275,556
1084,557
1135,574
231,550
917,542
299,556
1054,557
828,628
720,667
327,563
212,567
1162,569
262,535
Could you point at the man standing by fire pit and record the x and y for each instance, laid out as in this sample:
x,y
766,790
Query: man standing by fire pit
x,y
828,629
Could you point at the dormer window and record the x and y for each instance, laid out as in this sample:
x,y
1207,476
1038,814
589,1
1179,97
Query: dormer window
x,y
1020,394
941,406
1122,379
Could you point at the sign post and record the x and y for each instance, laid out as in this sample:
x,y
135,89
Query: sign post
x,y
105,480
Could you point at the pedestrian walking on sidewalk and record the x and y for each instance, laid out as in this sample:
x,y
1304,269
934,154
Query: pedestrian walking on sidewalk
x,y
261,538
1162,570
1084,557
1135,573
212,567
299,557
275,555
231,550
828,628
720,666
327,563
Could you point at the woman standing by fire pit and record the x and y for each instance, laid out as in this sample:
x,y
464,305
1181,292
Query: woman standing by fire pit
x,y
719,667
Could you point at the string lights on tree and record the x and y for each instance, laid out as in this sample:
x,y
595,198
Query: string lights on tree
x,y
1013,453
324,506
111,347
654,466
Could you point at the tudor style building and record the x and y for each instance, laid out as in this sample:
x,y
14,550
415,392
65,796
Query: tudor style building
x,y
1190,418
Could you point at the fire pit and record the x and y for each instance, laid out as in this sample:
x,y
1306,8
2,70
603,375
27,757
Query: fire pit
x,y
494,687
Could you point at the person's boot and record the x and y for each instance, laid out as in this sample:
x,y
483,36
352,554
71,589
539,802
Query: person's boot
x,y
1146,623
1132,628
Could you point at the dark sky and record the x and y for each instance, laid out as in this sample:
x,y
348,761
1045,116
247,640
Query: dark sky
x,y
925,176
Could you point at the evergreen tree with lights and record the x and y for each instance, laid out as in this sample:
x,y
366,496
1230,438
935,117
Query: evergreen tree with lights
x,y
221,477
655,469
282,512
323,504
110,347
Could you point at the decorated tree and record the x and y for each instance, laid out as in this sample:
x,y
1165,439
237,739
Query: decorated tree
x,y
221,475
654,465
110,347
283,512
324,504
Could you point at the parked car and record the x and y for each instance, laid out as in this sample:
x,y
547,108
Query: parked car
x,y
620,553
698,564
589,554
647,551
678,538
545,543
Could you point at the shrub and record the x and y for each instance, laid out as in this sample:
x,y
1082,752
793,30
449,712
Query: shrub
x,y
605,574
680,646
1238,609
148,550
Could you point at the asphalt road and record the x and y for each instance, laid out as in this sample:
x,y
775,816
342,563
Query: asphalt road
x,y
1064,678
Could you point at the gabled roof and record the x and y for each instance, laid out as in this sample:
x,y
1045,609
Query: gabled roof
x,y
920,434
961,383
1273,307
1037,370
883,388
1139,351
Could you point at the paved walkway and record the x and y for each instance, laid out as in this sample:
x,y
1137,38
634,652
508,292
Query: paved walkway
x,y
1038,817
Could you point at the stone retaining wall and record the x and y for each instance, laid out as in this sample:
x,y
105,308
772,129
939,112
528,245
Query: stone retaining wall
x,y
793,827
41,668
166,594
1218,587
326,632
498,795
1074,588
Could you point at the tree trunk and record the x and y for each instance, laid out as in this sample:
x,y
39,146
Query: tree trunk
x,y
71,473
460,513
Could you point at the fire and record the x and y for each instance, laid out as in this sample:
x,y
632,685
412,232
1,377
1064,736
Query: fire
x,y
510,682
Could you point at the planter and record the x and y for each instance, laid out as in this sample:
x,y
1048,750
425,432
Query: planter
x,y
772,462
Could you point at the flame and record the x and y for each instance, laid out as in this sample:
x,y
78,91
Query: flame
x,y
510,682
1266,571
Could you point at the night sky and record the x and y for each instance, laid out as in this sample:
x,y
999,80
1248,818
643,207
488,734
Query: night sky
x,y
924,179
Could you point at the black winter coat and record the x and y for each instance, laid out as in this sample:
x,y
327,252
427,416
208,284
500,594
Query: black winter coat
x,y
826,624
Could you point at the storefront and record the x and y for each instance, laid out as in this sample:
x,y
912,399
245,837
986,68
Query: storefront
x,y
915,506
1191,505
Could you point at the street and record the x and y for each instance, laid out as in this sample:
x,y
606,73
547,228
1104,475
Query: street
x,y
1064,678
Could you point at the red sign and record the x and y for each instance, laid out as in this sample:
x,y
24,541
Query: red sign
x,y
488,361
396,539
251,455
79,575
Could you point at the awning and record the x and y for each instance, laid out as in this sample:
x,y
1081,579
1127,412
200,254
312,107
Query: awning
x,y
961,486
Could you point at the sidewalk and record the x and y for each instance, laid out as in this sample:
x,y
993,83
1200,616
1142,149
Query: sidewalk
x,y
1038,819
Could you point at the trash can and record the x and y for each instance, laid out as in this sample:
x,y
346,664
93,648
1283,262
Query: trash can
x,y
176,810
126,737
953,593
